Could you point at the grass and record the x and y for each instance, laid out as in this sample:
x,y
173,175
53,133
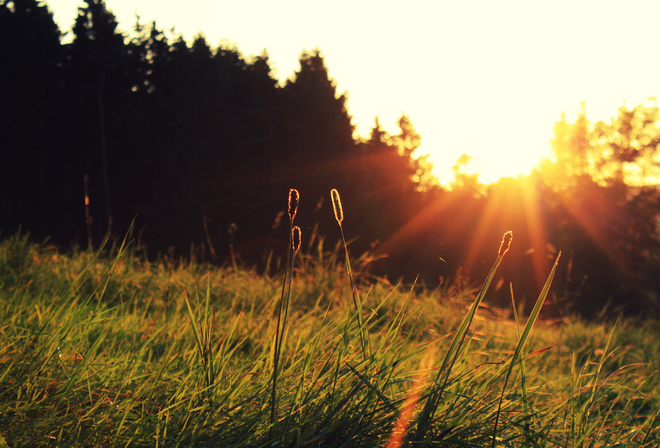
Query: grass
x,y
106,349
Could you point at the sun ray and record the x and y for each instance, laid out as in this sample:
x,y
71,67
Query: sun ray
x,y
536,232
437,214
512,205
591,214
486,222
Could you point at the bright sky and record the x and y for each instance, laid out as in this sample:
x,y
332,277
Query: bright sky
x,y
486,78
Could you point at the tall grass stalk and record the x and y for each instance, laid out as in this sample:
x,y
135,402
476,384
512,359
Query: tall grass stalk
x,y
203,331
522,340
339,217
283,308
523,377
438,387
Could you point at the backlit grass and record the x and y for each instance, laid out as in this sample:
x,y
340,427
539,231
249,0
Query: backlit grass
x,y
106,349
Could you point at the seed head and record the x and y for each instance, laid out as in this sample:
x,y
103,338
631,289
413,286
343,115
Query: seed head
x,y
296,237
278,219
506,243
232,229
294,198
336,205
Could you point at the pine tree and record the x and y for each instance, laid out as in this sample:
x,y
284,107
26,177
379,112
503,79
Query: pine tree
x,y
31,58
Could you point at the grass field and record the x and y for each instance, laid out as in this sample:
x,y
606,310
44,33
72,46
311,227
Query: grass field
x,y
106,349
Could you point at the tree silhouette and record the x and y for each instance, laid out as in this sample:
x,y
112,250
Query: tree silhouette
x,y
465,181
607,225
96,84
628,146
31,74
191,138
319,127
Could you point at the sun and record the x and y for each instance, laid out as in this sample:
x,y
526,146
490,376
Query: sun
x,y
489,170
490,164
481,142
492,151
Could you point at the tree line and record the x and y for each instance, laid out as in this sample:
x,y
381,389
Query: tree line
x,y
198,146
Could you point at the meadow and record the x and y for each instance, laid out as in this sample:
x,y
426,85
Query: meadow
x,y
105,348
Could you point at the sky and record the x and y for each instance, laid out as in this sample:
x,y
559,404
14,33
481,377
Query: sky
x,y
484,78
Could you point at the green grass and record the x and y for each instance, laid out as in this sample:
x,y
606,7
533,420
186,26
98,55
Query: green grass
x,y
107,349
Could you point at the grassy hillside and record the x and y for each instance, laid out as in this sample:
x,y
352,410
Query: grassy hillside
x,y
107,349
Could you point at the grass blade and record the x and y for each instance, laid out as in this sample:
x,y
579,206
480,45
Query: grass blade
x,y
426,415
523,339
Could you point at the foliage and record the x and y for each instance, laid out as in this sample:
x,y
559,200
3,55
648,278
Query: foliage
x,y
187,141
31,58
625,150
158,125
604,206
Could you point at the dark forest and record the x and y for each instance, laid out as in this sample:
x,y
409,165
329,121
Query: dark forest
x,y
194,149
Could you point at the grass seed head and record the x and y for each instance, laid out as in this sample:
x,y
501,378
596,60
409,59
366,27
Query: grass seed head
x,y
336,205
506,243
294,199
231,230
278,219
296,238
